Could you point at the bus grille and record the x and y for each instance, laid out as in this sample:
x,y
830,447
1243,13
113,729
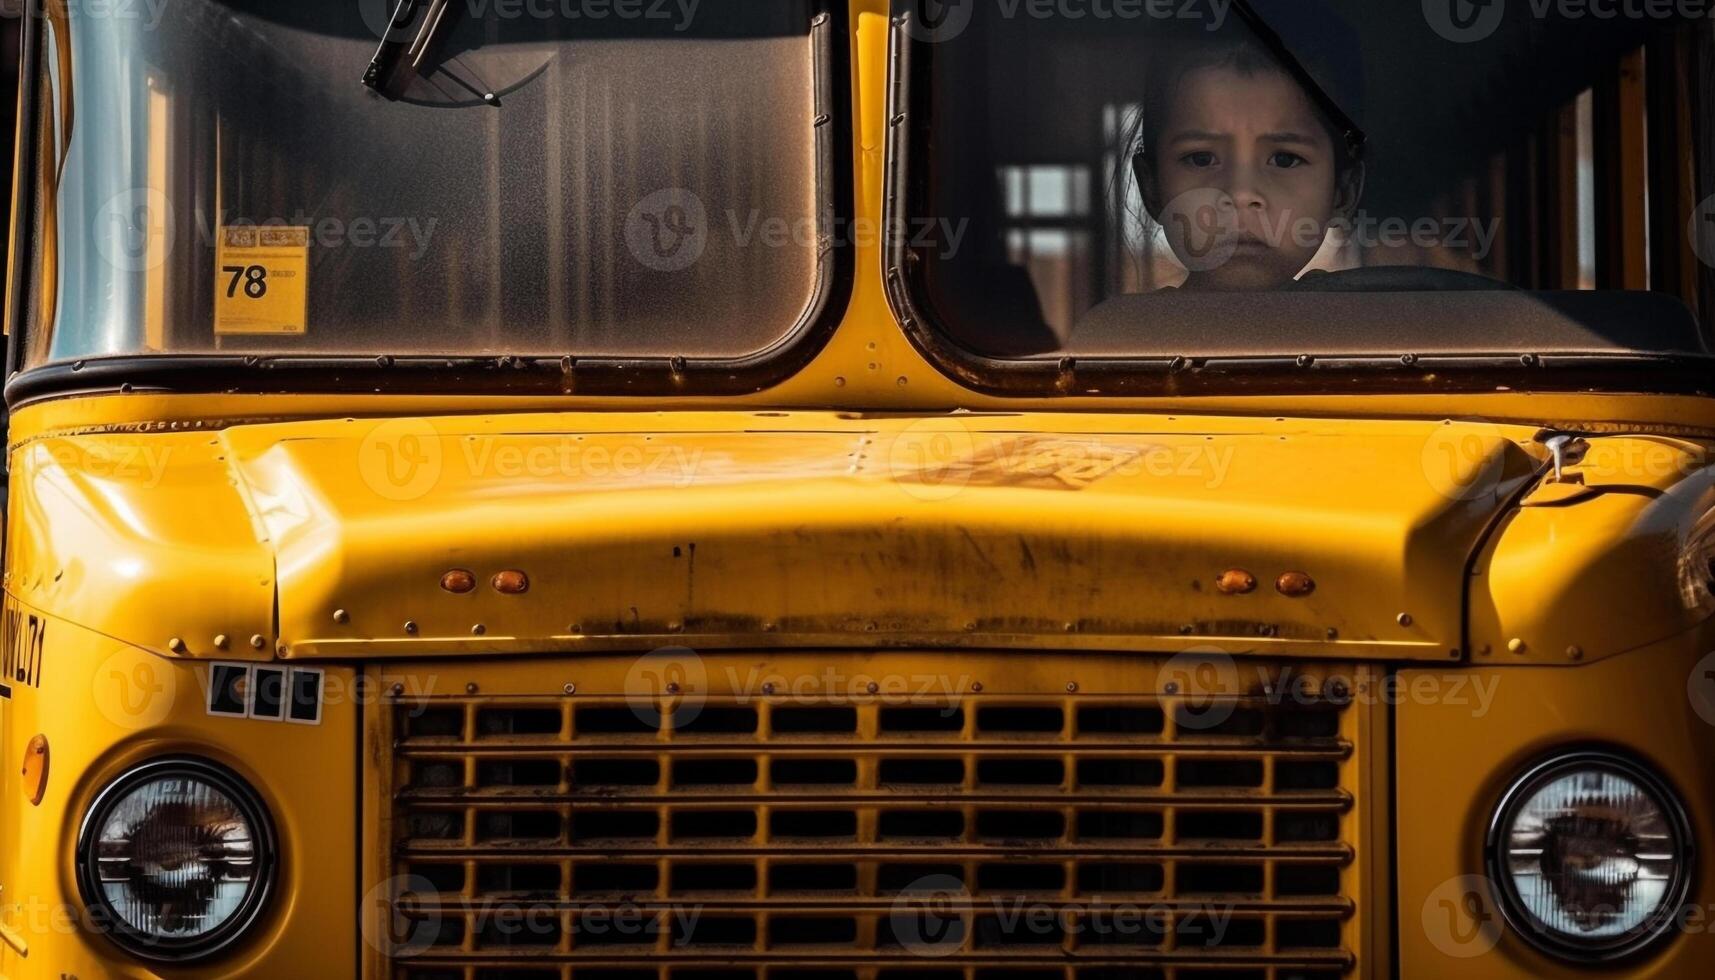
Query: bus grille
x,y
974,837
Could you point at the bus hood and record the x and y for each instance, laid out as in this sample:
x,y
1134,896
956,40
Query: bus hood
x,y
716,530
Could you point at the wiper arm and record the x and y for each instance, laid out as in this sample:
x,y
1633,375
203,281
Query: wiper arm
x,y
405,51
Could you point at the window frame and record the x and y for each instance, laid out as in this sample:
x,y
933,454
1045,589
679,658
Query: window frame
x,y
567,374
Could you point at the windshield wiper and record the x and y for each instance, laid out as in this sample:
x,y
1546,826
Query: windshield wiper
x,y
409,44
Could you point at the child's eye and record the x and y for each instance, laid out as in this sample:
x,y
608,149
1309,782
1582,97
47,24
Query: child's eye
x,y
1286,161
1201,159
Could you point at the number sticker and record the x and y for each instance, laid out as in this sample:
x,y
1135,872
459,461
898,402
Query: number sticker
x,y
263,281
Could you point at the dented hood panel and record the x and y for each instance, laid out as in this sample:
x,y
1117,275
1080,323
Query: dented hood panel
x,y
817,530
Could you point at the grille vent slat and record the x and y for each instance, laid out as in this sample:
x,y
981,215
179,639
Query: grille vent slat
x,y
980,838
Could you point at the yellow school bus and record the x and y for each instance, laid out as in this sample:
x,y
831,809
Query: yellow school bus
x,y
850,490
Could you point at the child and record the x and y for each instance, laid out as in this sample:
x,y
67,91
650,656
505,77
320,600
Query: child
x,y
1240,167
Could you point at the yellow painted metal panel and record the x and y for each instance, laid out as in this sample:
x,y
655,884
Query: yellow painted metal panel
x,y
146,537
1614,557
104,706
1466,732
1086,532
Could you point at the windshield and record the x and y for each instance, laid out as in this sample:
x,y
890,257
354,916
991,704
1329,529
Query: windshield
x,y
555,179
1212,177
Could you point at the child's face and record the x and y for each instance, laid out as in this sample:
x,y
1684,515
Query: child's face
x,y
1245,178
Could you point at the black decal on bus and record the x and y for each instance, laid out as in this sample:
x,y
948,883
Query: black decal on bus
x,y
23,638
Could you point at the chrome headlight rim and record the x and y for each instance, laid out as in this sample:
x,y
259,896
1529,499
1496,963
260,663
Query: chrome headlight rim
x,y
228,934
1657,924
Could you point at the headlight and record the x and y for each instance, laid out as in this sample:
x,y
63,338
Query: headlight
x,y
175,859
1591,854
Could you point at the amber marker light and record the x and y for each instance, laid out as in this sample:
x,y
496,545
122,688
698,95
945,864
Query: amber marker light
x,y
511,582
458,581
1295,585
1236,581
36,769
